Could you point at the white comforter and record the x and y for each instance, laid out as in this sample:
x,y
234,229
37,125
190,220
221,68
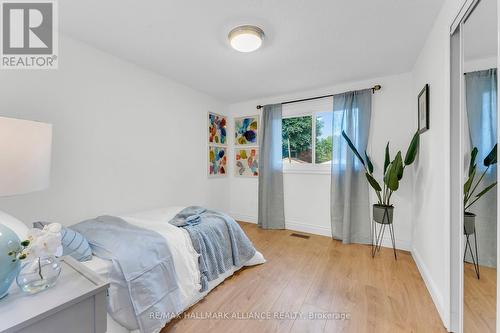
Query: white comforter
x,y
184,256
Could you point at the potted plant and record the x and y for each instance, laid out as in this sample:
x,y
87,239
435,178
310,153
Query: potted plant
x,y
471,186
383,210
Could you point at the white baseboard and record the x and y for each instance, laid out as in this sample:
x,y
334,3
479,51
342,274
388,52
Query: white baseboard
x,y
320,230
436,296
401,244
244,218
308,228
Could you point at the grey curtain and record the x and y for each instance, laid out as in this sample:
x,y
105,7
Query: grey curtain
x,y
271,198
481,106
350,203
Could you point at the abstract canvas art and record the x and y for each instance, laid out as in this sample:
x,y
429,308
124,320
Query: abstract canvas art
x,y
217,129
246,162
246,130
217,161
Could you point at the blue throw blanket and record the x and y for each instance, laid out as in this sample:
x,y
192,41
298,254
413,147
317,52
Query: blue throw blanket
x,y
142,274
218,239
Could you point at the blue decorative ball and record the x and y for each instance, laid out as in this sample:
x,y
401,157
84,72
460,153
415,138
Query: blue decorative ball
x,y
8,269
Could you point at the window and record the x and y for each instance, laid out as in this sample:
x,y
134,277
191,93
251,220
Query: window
x,y
308,136
297,140
324,137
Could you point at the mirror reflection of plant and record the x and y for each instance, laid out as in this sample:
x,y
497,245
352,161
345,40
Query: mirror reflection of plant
x,y
470,185
393,170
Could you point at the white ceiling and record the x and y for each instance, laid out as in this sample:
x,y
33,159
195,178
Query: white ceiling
x,y
310,43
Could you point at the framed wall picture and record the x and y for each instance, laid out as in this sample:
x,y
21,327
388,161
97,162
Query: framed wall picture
x,y
423,109
246,162
217,127
246,131
217,161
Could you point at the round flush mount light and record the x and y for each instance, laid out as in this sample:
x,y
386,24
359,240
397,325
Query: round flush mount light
x,y
246,38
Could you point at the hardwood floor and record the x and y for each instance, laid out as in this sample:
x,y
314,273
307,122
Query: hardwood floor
x,y
317,276
479,299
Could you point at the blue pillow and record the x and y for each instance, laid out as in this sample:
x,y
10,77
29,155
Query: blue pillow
x,y
74,243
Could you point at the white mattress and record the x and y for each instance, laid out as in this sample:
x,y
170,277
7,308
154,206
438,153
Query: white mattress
x,y
184,256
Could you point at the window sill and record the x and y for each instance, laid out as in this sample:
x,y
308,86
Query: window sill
x,y
312,171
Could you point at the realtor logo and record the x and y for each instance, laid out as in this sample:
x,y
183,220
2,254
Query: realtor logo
x,y
29,39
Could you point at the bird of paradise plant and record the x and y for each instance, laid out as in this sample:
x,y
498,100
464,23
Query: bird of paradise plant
x,y
393,170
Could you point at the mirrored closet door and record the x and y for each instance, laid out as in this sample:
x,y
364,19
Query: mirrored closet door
x,y
474,110
480,170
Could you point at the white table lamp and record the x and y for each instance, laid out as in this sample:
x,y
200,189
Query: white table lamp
x,y
25,154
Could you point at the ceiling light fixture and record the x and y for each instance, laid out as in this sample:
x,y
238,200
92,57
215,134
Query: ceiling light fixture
x,y
246,38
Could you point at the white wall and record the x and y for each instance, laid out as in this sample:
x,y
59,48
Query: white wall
x,y
431,213
480,64
307,196
125,139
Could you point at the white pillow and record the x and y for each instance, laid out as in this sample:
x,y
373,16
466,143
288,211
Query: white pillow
x,y
14,224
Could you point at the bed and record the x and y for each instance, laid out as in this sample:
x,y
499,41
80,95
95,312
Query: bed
x,y
184,256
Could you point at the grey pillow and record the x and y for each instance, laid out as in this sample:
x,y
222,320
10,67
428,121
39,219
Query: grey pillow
x,y
74,243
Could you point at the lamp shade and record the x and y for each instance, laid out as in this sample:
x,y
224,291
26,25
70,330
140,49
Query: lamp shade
x,y
25,155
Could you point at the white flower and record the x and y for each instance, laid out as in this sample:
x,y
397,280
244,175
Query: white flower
x,y
33,234
54,228
45,242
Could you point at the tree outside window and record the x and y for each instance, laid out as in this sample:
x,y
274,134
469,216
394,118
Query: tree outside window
x,y
302,145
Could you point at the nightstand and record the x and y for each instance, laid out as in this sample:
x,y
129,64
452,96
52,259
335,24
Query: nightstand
x,y
76,304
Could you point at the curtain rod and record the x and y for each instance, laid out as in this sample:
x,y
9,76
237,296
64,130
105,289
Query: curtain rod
x,y
374,88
